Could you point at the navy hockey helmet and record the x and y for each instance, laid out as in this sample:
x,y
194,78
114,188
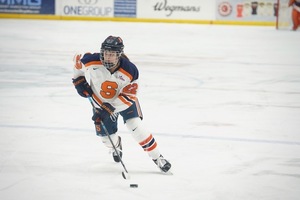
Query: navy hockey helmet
x,y
111,45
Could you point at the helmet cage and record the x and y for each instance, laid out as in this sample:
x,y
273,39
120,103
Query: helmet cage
x,y
109,64
111,44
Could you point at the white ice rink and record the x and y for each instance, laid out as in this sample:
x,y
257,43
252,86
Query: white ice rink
x,y
222,101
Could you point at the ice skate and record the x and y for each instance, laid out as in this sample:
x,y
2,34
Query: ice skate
x,y
163,164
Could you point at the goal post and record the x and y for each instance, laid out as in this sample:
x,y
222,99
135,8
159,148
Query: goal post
x,y
284,15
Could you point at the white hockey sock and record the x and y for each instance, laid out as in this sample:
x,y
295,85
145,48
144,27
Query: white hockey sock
x,y
114,137
144,138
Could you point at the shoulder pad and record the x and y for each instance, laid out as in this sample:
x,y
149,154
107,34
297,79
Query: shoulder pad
x,y
129,69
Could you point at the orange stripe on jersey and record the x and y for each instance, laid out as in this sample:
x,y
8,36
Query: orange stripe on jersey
x,y
98,101
124,100
126,73
133,98
93,63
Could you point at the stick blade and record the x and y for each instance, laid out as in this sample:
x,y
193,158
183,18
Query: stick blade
x,y
125,175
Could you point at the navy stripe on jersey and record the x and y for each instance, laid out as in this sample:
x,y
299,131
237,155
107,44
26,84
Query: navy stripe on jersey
x,y
128,99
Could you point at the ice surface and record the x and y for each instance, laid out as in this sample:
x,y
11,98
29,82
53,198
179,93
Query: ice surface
x,y
222,101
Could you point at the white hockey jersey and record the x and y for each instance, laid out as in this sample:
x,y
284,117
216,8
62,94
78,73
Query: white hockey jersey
x,y
119,88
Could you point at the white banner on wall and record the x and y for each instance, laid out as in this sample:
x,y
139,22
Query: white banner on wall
x,y
176,9
85,8
206,10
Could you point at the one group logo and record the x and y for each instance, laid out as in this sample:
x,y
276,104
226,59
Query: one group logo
x,y
96,8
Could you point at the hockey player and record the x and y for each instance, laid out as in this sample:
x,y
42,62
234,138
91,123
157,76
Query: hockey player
x,y
295,13
111,79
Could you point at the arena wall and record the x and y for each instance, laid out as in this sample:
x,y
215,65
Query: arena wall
x,y
232,12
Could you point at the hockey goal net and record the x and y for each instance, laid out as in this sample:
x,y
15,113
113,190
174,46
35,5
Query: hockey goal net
x,y
284,16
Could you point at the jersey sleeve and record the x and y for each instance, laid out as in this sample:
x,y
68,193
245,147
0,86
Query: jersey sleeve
x,y
82,62
128,93
129,69
77,69
89,59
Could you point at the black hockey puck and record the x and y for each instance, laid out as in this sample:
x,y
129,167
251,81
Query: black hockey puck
x,y
134,185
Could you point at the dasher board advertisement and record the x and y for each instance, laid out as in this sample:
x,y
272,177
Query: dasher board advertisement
x,y
27,6
245,10
85,8
176,9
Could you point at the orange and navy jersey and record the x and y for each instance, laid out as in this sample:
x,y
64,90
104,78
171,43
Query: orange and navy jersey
x,y
294,3
118,88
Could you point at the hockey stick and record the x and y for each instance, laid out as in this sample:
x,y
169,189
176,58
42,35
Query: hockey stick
x,y
125,173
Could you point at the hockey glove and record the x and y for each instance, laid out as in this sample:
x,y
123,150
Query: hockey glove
x,y
101,114
82,86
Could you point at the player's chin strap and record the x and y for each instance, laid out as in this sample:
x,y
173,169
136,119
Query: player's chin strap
x,y
125,173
